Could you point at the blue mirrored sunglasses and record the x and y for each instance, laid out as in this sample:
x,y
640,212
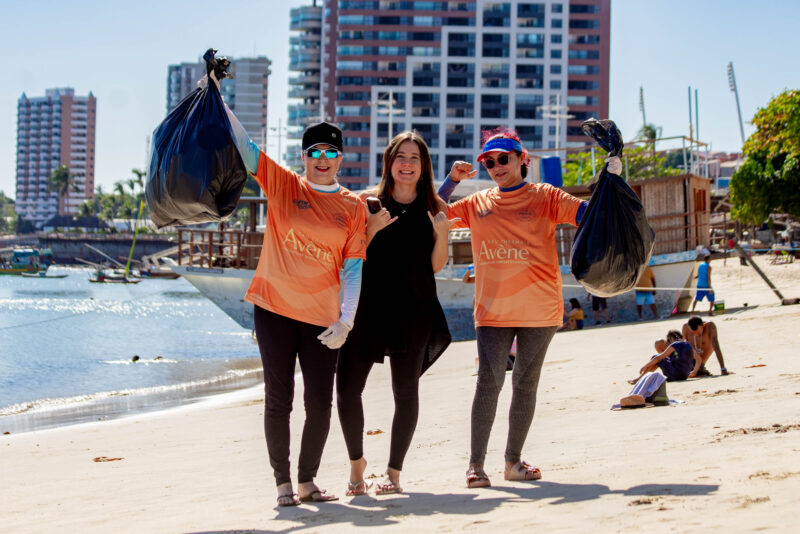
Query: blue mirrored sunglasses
x,y
315,153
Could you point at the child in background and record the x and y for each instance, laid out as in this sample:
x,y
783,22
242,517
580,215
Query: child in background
x,y
574,318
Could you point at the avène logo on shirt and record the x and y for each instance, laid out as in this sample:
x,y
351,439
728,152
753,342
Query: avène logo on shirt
x,y
301,244
302,204
503,251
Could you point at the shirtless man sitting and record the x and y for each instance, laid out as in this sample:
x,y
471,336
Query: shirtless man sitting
x,y
703,338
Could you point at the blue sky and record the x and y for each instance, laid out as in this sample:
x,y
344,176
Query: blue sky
x,y
120,51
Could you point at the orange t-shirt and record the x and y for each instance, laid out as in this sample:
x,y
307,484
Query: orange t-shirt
x,y
517,276
308,236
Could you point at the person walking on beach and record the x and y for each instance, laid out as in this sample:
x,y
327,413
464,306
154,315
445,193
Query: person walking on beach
x,y
399,313
704,290
703,338
599,303
646,296
314,244
516,265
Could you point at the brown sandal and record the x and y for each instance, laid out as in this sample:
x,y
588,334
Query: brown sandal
x,y
319,495
293,502
477,478
527,471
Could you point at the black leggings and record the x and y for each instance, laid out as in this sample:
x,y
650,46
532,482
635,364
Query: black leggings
x,y
351,377
281,340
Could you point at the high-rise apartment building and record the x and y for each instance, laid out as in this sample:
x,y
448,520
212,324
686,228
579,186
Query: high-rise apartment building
x,y
58,128
305,61
450,69
245,93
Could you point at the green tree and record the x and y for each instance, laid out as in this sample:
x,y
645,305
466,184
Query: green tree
x,y
769,179
639,163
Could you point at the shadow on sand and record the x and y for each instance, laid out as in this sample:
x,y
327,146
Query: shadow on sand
x,y
369,511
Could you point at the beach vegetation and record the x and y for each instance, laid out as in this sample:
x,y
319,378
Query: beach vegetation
x,y
121,203
769,180
639,162
8,216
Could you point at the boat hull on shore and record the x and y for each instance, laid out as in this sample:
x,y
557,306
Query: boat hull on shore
x,y
226,288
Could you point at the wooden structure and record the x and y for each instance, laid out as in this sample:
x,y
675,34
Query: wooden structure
x,y
677,208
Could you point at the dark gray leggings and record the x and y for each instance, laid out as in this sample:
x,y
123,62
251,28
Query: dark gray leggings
x,y
494,344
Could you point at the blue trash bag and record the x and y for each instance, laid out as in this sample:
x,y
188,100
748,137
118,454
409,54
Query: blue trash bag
x,y
614,241
196,174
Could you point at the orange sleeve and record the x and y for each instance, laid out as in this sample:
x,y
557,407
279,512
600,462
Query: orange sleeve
x,y
460,209
563,205
270,175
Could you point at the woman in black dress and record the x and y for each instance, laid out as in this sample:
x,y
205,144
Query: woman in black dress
x,y
399,314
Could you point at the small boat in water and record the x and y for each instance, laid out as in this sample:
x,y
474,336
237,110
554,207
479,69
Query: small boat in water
x,y
24,260
43,274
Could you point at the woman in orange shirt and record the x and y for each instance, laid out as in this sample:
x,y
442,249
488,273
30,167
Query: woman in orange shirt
x,y
517,289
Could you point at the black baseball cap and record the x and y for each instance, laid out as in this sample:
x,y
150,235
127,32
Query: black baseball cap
x,y
322,133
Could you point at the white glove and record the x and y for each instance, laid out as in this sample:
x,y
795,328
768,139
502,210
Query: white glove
x,y
614,165
335,336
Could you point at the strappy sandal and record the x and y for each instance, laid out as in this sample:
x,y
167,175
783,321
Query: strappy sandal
x,y
527,471
319,495
477,478
358,488
387,487
294,501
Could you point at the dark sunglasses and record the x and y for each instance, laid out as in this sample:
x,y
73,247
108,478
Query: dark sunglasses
x,y
501,160
315,153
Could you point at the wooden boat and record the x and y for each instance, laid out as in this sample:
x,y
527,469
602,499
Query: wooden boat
x,y
43,274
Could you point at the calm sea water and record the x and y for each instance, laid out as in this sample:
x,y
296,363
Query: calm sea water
x,y
66,349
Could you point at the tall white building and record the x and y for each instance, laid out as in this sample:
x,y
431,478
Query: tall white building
x,y
58,128
450,69
246,93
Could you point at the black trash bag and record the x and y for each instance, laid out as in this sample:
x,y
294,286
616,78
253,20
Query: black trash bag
x,y
614,241
196,174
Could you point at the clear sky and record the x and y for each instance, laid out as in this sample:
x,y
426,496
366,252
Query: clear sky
x,y
120,51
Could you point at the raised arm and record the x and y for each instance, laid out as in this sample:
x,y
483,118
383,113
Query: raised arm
x,y
247,148
461,170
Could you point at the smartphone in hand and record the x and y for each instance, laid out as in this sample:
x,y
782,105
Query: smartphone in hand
x,y
374,204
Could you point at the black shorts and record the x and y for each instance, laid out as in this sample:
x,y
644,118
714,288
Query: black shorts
x,y
598,303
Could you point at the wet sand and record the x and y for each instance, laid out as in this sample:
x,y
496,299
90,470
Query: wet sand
x,y
728,457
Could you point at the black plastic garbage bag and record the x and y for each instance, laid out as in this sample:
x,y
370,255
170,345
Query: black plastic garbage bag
x,y
614,241
196,174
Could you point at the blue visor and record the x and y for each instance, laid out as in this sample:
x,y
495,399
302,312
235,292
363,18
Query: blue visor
x,y
502,144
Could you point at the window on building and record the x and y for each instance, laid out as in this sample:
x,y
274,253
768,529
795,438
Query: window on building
x,y
461,105
555,53
530,76
555,69
584,24
429,132
461,75
555,84
530,15
426,74
556,23
458,136
497,14
425,105
584,54
582,70
583,8
495,45
494,75
494,106
555,38
528,106
530,45
583,85
461,44
531,136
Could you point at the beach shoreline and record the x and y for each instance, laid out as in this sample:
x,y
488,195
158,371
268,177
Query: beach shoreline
x,y
728,457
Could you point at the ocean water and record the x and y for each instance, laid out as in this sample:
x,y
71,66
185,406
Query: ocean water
x,y
67,345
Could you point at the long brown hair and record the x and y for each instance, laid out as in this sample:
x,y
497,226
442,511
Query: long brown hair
x,y
385,188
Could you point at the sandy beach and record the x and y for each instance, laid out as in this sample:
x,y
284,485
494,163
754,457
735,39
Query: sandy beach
x,y
728,457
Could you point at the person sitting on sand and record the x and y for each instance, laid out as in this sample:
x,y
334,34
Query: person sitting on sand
x,y
703,338
574,317
675,357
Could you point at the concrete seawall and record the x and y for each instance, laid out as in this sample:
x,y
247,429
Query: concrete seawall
x,y
67,247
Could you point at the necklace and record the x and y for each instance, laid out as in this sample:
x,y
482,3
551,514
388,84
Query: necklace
x,y
403,207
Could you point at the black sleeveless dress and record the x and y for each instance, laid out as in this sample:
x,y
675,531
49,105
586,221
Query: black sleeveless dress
x,y
399,313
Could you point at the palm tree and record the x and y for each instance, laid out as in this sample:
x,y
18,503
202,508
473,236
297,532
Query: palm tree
x,y
59,181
